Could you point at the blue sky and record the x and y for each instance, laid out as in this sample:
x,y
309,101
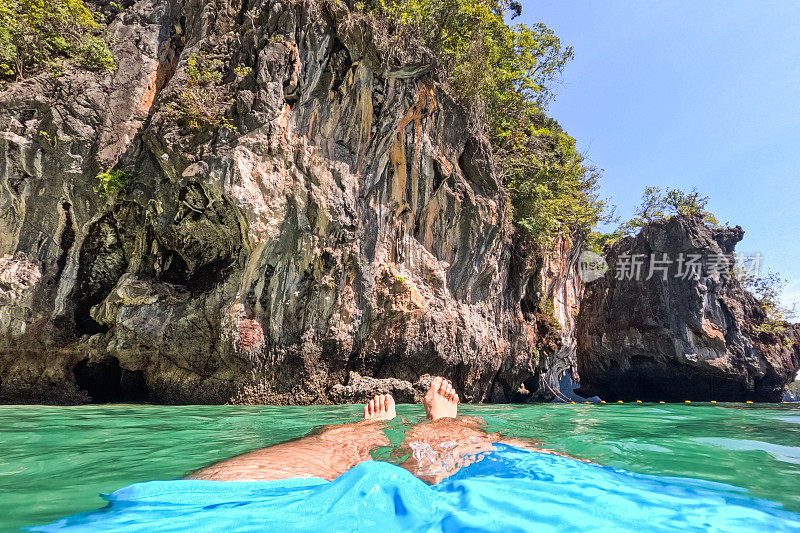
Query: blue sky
x,y
689,94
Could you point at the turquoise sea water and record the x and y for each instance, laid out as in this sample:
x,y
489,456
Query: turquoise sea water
x,y
55,461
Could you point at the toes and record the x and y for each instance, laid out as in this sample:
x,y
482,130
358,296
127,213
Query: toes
x,y
447,390
383,402
450,392
373,405
380,407
435,384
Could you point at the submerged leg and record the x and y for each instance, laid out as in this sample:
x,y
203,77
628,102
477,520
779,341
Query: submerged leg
x,y
446,443
439,448
326,454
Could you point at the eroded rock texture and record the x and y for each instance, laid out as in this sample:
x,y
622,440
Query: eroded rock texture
x,y
686,338
351,222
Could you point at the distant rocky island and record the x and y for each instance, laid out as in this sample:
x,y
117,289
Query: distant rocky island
x,y
265,206
672,334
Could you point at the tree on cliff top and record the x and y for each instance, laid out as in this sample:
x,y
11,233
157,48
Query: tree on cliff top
x,y
659,205
656,205
35,34
505,75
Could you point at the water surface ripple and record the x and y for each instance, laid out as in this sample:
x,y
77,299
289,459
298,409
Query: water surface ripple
x,y
55,461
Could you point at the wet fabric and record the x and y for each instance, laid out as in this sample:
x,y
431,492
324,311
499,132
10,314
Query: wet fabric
x,y
509,490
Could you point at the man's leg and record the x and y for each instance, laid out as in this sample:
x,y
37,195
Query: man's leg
x,y
443,445
326,454
446,443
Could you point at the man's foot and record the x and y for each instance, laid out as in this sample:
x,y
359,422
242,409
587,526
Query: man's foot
x,y
441,400
381,407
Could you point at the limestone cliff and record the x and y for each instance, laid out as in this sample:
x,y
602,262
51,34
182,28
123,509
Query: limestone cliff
x,y
682,330
347,223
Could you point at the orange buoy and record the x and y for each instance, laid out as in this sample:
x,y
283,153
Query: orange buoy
x,y
713,401
687,401
620,401
603,401
660,402
749,401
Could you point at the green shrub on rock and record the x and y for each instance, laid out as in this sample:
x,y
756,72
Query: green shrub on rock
x,y
203,101
95,55
111,182
767,289
36,34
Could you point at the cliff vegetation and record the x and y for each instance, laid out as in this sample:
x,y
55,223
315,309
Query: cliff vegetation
x,y
504,74
36,35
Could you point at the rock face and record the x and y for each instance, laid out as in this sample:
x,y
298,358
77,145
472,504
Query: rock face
x,y
348,222
792,393
674,337
360,389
